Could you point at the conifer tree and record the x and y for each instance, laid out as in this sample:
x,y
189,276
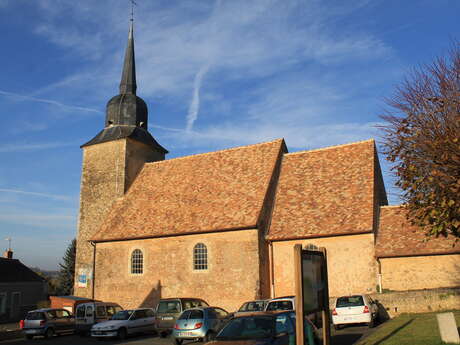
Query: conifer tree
x,y
67,271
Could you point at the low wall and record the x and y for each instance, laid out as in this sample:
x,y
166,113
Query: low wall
x,y
393,303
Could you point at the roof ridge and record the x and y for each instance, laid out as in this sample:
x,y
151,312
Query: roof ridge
x,y
331,147
212,152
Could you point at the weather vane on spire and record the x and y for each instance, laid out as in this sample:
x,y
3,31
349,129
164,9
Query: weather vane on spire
x,y
132,10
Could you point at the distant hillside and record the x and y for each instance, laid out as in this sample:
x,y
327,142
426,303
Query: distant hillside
x,y
45,273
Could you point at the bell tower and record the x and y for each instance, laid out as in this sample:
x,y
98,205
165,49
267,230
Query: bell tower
x,y
111,162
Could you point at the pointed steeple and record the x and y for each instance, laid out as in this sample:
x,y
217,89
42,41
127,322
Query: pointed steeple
x,y
126,113
128,77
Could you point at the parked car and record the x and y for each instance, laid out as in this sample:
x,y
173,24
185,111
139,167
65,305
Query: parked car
x,y
91,313
288,303
252,306
354,309
199,324
262,328
48,322
124,323
281,303
169,309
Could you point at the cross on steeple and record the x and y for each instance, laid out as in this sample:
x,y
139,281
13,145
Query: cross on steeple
x,y
132,9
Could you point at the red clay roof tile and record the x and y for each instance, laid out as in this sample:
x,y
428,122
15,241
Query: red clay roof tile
x,y
325,192
397,237
200,193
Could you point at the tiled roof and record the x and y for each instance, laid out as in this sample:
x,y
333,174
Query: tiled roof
x,y
397,237
325,192
13,271
213,191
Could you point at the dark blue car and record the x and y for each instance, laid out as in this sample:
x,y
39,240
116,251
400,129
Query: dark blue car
x,y
263,328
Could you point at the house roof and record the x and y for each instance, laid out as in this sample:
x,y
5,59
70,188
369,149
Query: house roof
x,y
214,191
326,192
12,270
396,237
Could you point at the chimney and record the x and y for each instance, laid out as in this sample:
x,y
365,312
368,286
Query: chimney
x,y
8,254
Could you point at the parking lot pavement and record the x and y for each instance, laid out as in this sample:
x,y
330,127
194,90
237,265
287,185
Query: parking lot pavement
x,y
345,336
76,340
349,335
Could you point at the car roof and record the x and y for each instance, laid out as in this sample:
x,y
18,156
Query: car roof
x,y
282,298
264,313
182,299
41,310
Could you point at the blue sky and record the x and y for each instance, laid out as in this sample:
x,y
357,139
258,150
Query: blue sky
x,y
215,74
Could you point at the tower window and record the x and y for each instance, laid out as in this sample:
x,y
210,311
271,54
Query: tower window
x,y
137,262
200,257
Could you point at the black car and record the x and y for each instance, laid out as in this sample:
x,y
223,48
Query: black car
x,y
263,328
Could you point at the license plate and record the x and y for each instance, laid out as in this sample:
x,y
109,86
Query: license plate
x,y
185,334
167,318
348,318
32,331
97,333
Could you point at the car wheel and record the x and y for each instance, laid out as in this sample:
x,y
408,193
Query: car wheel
x,y
122,333
49,333
177,341
209,336
29,336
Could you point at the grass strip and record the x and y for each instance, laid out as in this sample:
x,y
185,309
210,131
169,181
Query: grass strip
x,y
408,329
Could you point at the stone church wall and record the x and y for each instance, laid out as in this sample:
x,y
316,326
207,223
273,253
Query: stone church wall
x,y
420,272
102,181
351,264
231,279
108,171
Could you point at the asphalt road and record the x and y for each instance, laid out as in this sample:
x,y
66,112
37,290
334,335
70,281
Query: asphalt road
x,y
346,336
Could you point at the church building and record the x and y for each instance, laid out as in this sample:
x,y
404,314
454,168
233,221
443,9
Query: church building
x,y
222,225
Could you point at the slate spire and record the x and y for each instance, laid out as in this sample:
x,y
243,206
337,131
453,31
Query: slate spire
x,y
126,113
128,77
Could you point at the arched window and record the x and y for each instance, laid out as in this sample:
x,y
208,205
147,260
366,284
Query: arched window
x,y
137,262
200,257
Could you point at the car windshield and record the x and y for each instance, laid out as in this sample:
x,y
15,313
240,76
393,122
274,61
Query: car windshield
x,y
34,315
168,307
350,301
280,305
122,315
253,306
191,315
255,327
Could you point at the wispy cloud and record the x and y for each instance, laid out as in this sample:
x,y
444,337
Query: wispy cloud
x,y
42,195
18,97
23,147
192,114
40,220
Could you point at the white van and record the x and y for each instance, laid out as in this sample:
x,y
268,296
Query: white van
x,y
90,313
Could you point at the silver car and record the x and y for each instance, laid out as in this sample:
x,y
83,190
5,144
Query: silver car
x,y
199,324
48,322
125,322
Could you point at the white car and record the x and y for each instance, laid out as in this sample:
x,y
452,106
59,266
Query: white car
x,y
281,303
125,322
354,309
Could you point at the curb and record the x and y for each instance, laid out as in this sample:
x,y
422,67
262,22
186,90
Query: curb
x,y
7,335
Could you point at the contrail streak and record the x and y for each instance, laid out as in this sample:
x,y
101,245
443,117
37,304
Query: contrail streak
x,y
44,195
194,107
48,101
